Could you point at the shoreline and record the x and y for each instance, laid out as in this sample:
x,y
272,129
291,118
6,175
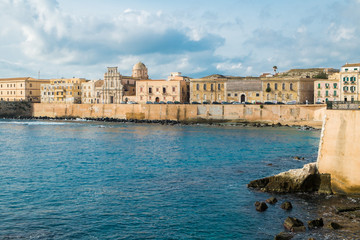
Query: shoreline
x,y
307,126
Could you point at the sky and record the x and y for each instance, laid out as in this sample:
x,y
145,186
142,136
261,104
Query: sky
x,y
81,38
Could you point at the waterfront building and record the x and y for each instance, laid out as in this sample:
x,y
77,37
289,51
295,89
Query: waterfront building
x,y
349,82
208,89
117,88
244,89
64,90
327,89
91,91
288,89
175,89
21,89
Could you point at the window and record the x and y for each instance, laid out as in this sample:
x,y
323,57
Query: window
x,y
212,87
268,97
197,86
30,92
205,97
283,86
219,86
150,90
205,86
291,86
173,89
235,94
326,93
290,97
268,85
352,89
157,89
327,85
30,84
197,96
334,93
345,88
335,85
164,89
276,85
229,94
346,69
257,94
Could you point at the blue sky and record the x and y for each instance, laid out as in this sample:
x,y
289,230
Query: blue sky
x,y
67,38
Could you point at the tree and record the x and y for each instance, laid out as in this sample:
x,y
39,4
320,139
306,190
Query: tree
x,y
275,68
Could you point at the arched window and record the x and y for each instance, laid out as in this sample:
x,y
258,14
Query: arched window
x,y
283,86
275,86
291,86
268,85
197,86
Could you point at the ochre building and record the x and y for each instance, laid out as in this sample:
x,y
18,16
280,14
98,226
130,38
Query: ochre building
x,y
21,89
64,90
244,89
208,89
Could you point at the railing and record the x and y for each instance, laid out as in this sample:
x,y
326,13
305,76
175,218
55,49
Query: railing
x,y
342,105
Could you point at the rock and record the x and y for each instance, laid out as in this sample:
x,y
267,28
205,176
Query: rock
x,y
317,223
283,236
296,158
272,200
294,225
286,205
347,209
269,164
334,225
306,179
257,203
325,184
311,239
261,207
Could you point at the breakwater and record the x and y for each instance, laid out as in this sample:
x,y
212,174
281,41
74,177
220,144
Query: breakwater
x,y
285,114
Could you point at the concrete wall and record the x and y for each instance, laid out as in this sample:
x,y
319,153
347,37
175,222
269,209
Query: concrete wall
x,y
290,114
339,152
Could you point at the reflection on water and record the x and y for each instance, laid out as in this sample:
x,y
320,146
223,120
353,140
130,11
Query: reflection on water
x,y
92,180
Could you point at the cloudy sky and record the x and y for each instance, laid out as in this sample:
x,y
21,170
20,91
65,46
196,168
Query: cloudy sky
x,y
80,38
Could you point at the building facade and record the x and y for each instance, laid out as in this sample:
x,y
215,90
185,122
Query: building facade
x,y
244,89
349,82
174,90
208,89
21,89
62,90
327,89
91,91
286,89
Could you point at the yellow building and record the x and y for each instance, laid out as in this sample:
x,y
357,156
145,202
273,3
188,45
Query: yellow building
x,y
176,89
288,89
208,89
349,82
21,89
244,89
62,90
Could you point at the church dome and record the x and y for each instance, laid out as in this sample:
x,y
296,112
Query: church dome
x,y
139,66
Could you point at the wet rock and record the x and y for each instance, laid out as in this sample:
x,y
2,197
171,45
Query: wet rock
x,y
283,236
342,209
296,158
269,164
261,207
286,205
294,225
334,225
257,203
317,223
306,179
311,239
271,200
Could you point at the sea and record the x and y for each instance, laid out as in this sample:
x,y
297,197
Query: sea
x,y
99,180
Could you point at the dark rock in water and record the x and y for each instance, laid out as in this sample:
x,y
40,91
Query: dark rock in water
x,y
257,203
286,205
283,236
334,225
261,207
294,225
311,239
269,164
306,179
317,223
272,200
296,158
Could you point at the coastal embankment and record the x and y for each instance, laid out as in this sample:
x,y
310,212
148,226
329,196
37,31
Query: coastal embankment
x,y
16,109
311,115
339,150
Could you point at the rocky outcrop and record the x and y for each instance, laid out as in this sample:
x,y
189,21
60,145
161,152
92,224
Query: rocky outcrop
x,y
317,223
286,205
306,179
294,225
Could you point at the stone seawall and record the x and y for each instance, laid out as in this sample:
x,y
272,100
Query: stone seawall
x,y
287,114
339,152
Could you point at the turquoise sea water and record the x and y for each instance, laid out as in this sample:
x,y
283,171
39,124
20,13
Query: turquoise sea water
x,y
91,180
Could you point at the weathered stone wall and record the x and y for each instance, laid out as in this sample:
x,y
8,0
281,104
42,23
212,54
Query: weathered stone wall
x,y
339,152
15,109
290,114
